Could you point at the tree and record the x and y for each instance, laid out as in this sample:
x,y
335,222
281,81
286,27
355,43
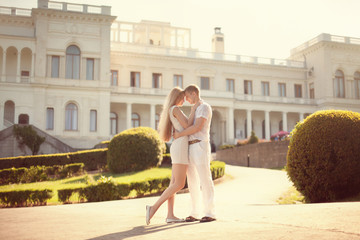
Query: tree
x,y
26,135
253,138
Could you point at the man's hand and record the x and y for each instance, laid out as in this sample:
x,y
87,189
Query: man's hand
x,y
176,135
194,107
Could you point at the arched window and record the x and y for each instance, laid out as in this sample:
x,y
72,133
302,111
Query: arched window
x,y
357,84
157,118
263,129
281,125
113,123
339,85
23,119
135,120
9,113
71,117
73,62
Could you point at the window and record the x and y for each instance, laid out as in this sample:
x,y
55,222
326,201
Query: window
x,y
135,120
248,87
89,69
157,118
9,113
156,80
73,62
93,120
178,81
312,91
50,118
357,84
25,73
339,85
55,65
23,119
298,91
205,83
114,78
282,89
230,85
265,89
135,79
71,117
113,123
281,125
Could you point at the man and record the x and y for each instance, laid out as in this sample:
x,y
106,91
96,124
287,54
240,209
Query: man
x,y
199,173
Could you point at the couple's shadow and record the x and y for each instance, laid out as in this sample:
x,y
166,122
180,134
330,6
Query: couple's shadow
x,y
142,230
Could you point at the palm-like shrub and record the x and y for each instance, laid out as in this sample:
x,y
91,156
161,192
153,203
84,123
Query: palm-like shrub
x,y
134,150
323,160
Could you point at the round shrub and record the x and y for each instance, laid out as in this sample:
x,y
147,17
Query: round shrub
x,y
135,149
323,160
253,138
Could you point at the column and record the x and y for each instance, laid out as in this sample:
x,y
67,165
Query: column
x,y
128,115
230,127
267,125
301,117
284,118
3,77
32,71
248,123
2,108
152,116
18,67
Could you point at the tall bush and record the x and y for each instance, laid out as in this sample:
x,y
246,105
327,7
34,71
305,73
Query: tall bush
x,y
253,138
134,150
323,158
26,135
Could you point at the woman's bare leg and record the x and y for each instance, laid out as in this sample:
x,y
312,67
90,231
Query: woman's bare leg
x,y
178,176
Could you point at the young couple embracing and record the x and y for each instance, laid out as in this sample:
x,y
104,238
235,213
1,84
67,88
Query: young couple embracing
x,y
190,155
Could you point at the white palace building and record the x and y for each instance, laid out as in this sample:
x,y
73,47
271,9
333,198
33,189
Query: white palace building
x,y
81,76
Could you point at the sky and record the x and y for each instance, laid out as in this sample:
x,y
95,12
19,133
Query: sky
x,y
262,28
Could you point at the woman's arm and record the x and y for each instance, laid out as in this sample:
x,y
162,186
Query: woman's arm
x,y
181,117
192,114
199,124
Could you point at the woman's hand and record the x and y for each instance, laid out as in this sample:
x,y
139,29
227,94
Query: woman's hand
x,y
176,134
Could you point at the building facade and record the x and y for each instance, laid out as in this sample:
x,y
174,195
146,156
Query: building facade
x,y
78,74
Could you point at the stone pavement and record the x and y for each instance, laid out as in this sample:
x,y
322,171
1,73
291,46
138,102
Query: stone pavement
x,y
246,209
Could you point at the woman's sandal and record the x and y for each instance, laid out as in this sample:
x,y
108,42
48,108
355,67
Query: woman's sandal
x,y
148,214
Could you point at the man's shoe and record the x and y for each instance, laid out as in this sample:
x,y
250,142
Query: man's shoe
x,y
207,219
191,219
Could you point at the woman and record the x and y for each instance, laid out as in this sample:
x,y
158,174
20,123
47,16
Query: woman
x,y
173,118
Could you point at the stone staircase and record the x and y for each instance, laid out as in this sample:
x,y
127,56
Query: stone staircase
x,y
9,146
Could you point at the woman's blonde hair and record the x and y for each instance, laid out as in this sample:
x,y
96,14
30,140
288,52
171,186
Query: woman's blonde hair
x,y
165,125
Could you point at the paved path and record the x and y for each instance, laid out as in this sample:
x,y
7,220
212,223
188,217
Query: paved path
x,y
245,205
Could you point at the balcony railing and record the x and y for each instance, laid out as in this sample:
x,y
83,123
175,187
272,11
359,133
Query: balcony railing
x,y
328,38
15,11
191,53
73,7
216,94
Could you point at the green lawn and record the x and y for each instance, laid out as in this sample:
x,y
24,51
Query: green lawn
x,y
81,181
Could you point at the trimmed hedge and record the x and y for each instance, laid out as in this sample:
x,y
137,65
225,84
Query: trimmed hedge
x,y
22,198
92,159
135,149
323,159
39,173
106,189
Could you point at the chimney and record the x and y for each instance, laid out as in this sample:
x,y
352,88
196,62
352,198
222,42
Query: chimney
x,y
218,41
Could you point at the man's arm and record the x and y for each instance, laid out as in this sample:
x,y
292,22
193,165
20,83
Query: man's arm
x,y
198,125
